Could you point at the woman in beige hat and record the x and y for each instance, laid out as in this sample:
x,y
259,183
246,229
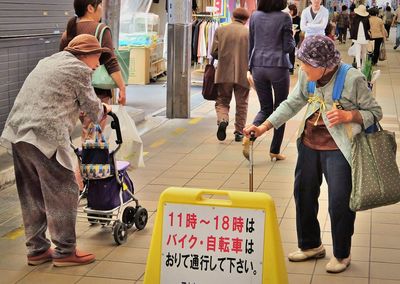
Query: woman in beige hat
x,y
360,34
38,130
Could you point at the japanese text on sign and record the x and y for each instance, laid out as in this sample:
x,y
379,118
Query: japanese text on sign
x,y
203,244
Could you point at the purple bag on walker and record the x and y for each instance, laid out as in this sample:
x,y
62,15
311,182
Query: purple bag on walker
x,y
103,194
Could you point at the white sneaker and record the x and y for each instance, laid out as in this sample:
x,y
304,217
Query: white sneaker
x,y
337,265
302,255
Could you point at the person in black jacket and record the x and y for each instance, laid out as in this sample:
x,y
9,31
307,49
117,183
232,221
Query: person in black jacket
x,y
360,34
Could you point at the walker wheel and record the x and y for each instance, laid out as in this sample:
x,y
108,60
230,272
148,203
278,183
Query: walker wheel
x,y
141,218
120,232
128,217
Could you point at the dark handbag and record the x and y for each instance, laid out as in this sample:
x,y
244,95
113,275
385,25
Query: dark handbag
x,y
375,175
210,89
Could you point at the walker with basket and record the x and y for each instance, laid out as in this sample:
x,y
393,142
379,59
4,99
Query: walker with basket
x,y
108,189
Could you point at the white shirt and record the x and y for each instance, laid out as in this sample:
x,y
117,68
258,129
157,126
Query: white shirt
x,y
361,35
314,26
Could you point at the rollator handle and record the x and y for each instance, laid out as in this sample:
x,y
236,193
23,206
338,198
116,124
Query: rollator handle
x,y
115,125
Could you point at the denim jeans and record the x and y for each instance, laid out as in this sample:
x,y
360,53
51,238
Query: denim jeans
x,y
266,78
398,35
311,165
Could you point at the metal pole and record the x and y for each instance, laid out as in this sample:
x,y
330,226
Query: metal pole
x,y
111,13
179,56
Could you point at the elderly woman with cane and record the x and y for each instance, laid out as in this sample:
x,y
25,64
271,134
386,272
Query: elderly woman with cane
x,y
324,147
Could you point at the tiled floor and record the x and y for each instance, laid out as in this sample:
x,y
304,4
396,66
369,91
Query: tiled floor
x,y
185,152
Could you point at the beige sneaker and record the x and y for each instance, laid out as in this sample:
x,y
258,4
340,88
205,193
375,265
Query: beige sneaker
x,y
337,265
302,255
246,147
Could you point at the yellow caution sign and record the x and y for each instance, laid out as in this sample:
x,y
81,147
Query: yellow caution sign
x,y
214,236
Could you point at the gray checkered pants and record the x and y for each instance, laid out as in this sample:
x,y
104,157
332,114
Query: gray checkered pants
x,y
48,194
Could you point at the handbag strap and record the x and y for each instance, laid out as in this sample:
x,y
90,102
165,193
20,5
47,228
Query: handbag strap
x,y
339,81
100,36
311,85
100,39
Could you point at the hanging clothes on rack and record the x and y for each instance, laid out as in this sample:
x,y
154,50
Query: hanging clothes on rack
x,y
203,30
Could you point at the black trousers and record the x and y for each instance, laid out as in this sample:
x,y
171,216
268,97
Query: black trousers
x,y
377,49
311,165
387,27
266,79
342,34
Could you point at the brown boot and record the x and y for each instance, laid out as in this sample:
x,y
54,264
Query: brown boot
x,y
77,258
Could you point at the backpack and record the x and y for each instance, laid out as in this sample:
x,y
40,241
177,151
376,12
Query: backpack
x,y
388,18
338,89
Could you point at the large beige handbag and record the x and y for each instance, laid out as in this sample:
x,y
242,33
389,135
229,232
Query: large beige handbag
x,y
375,175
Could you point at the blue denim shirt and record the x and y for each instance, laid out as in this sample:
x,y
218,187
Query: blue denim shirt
x,y
355,95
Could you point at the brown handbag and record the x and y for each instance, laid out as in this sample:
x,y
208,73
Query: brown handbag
x,y
210,89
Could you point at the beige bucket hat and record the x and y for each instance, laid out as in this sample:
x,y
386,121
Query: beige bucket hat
x,y
361,10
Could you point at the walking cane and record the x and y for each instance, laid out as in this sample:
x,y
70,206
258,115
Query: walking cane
x,y
252,139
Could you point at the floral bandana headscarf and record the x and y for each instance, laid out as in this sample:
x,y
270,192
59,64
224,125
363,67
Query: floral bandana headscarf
x,y
318,51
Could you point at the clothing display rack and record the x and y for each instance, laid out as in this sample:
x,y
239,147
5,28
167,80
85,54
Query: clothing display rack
x,y
203,30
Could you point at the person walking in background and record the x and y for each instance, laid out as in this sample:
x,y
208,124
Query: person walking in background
x,y
343,24
333,20
271,39
230,47
88,15
324,148
377,32
39,127
396,23
360,34
388,19
314,19
352,15
296,27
